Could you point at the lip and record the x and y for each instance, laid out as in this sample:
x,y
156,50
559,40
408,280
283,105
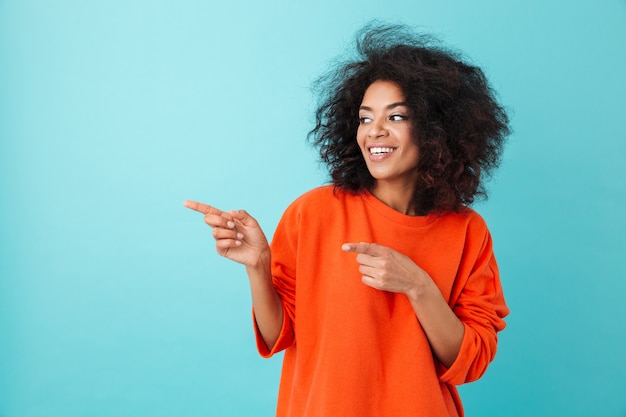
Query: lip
x,y
380,157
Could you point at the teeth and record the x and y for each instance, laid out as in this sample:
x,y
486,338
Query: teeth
x,y
378,151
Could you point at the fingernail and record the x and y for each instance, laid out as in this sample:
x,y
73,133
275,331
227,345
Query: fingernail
x,y
345,247
237,243
239,235
230,224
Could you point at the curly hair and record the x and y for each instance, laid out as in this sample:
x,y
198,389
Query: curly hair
x,y
457,123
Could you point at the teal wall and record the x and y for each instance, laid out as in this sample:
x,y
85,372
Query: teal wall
x,y
112,300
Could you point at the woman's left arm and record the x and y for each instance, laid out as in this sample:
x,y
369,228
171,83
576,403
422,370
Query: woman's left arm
x,y
385,269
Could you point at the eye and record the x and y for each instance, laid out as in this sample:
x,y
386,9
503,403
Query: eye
x,y
398,117
364,119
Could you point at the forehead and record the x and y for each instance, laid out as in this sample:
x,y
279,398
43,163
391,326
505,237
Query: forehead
x,y
383,92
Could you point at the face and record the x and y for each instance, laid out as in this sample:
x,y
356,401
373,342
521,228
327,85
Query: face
x,y
384,136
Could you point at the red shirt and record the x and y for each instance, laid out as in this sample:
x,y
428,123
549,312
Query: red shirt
x,y
351,350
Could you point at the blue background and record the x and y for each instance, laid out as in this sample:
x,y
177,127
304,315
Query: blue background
x,y
112,299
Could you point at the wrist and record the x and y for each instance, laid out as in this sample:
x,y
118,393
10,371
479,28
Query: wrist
x,y
422,286
262,262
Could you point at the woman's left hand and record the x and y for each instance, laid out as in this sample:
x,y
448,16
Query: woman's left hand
x,y
385,269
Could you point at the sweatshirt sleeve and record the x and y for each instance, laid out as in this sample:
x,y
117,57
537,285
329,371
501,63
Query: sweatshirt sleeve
x,y
481,308
283,249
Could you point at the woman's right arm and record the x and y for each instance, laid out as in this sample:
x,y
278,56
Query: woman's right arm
x,y
239,237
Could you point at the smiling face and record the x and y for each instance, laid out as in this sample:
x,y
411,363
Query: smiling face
x,y
385,136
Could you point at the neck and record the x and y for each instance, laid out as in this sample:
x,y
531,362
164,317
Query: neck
x,y
398,197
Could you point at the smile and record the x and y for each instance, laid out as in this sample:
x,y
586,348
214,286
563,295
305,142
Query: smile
x,y
381,151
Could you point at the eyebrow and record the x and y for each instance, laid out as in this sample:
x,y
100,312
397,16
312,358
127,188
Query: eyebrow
x,y
389,107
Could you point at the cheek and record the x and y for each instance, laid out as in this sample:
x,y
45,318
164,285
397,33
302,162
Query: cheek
x,y
360,139
416,156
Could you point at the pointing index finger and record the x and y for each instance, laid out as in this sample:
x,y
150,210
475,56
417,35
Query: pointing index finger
x,y
364,248
202,208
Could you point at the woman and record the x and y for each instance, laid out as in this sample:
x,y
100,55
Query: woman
x,y
382,288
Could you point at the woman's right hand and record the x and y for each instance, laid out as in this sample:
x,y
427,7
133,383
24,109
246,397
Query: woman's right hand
x,y
238,235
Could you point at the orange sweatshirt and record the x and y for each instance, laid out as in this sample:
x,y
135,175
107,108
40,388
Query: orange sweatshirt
x,y
351,350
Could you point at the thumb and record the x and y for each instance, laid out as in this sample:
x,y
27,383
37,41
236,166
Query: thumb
x,y
244,217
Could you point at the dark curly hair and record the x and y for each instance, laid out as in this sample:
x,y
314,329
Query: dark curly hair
x,y
457,123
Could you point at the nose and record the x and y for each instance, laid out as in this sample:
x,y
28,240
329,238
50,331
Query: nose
x,y
377,128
